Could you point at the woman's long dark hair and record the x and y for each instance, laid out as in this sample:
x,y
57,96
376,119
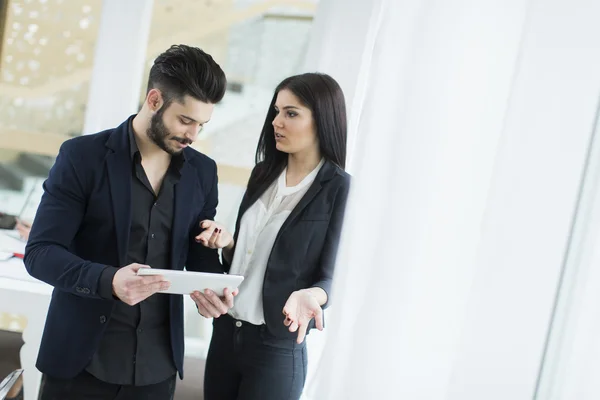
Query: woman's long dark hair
x,y
324,97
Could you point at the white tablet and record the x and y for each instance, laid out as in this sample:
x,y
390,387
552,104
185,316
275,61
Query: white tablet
x,y
186,282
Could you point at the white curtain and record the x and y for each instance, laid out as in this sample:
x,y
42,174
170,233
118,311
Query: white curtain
x,y
572,361
351,34
470,139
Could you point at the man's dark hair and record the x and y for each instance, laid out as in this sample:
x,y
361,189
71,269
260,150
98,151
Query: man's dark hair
x,y
184,70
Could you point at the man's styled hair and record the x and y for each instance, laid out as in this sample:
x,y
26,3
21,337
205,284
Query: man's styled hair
x,y
184,70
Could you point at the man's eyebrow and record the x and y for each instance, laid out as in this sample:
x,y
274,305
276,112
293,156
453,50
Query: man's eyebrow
x,y
192,119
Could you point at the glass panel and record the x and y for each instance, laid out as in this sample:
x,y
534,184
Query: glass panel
x,y
257,43
47,56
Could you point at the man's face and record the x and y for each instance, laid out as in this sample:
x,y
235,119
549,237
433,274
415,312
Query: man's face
x,y
177,126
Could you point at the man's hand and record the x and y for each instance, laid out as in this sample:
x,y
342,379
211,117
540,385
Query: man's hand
x,y
132,289
212,306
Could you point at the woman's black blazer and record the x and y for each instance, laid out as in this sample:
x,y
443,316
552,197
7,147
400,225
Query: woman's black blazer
x,y
305,248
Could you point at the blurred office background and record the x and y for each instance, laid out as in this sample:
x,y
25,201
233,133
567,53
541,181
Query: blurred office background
x,y
469,264
48,50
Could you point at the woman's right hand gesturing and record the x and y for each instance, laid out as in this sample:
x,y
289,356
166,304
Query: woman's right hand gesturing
x,y
214,235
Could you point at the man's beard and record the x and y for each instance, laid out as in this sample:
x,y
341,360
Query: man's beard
x,y
160,135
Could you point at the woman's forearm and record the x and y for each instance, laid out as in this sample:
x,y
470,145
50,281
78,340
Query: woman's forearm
x,y
319,294
228,252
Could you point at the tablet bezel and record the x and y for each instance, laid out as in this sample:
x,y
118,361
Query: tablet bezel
x,y
182,281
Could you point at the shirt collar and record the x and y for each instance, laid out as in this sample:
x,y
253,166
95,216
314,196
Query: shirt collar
x,y
133,147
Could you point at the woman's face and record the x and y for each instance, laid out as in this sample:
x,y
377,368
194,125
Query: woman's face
x,y
295,131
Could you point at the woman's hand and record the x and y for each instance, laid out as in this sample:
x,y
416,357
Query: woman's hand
x,y
214,235
300,308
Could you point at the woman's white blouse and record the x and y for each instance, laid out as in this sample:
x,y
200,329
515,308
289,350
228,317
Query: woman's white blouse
x,y
259,227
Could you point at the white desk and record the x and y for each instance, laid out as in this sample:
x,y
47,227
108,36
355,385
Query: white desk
x,y
21,294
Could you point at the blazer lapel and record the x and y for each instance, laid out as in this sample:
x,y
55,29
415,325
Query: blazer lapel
x,y
182,212
326,173
119,176
313,190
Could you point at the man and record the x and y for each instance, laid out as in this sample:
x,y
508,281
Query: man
x,y
114,202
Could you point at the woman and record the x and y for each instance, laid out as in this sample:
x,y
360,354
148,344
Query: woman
x,y
287,233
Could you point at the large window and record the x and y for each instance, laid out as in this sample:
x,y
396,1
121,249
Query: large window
x,y
46,65
258,43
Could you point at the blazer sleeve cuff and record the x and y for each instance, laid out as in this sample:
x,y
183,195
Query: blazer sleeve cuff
x,y
326,286
105,289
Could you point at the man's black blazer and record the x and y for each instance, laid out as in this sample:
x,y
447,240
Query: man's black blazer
x,y
82,226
